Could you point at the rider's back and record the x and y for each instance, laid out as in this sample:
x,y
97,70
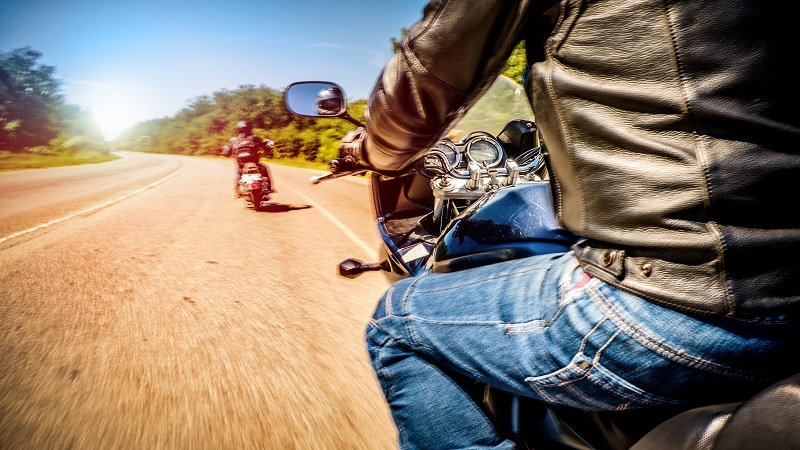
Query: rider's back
x,y
245,148
671,128
673,139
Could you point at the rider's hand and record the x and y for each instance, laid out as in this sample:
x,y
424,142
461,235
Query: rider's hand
x,y
351,152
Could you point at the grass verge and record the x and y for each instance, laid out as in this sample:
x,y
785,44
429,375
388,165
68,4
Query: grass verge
x,y
303,163
20,161
36,160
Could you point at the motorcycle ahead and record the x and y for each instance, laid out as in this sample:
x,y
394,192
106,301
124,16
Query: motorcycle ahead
x,y
254,184
481,195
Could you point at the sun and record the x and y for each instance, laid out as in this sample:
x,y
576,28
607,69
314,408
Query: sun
x,y
115,108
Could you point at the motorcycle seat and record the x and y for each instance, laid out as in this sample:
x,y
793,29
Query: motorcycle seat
x,y
250,167
769,420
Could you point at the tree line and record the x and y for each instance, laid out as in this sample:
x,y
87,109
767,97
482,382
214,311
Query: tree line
x,y
208,121
33,112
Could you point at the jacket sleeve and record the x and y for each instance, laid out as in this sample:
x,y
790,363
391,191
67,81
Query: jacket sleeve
x,y
446,62
229,152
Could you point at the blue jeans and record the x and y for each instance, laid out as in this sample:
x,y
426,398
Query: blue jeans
x,y
539,327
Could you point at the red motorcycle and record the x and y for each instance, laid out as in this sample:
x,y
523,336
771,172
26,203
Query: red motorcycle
x,y
254,184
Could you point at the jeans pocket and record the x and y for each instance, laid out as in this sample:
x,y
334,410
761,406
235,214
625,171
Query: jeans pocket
x,y
585,384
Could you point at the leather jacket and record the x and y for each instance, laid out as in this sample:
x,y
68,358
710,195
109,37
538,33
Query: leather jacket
x,y
253,145
672,135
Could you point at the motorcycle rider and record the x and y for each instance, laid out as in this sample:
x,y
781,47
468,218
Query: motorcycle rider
x,y
246,147
329,101
672,138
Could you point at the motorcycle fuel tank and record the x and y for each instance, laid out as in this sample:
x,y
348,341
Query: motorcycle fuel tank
x,y
512,222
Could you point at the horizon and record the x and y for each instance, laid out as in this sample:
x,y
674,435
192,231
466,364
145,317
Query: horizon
x,y
130,63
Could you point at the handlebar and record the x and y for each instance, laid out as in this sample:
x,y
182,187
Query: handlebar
x,y
345,164
340,167
331,176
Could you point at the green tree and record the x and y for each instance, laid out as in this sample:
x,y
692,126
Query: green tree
x,y
32,110
397,42
208,121
31,100
516,64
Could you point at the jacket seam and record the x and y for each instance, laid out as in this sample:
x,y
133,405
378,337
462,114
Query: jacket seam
x,y
730,305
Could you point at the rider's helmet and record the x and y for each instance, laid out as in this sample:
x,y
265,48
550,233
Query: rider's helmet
x,y
244,127
329,101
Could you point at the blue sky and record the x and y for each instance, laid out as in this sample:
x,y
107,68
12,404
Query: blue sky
x,y
137,60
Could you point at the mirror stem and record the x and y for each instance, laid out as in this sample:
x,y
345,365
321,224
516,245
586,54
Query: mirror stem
x,y
350,119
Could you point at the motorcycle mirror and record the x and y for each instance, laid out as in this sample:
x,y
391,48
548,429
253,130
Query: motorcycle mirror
x,y
351,268
317,99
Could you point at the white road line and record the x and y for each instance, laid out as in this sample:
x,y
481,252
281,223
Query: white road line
x,y
368,249
91,209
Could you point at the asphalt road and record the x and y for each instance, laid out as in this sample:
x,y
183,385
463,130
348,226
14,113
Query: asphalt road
x,y
143,307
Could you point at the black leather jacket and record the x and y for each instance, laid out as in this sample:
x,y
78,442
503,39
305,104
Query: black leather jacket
x,y
245,148
673,138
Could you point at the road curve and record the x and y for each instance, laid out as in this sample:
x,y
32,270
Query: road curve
x,y
143,307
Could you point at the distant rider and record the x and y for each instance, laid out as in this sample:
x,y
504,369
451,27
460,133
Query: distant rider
x,y
246,147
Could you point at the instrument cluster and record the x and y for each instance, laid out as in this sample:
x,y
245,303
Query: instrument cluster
x,y
480,148
477,164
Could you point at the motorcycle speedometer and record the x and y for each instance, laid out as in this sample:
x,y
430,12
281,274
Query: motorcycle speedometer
x,y
450,151
484,150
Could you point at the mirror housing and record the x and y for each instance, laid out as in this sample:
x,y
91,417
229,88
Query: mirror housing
x,y
318,99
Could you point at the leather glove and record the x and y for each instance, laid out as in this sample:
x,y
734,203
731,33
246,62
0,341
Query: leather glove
x,y
351,153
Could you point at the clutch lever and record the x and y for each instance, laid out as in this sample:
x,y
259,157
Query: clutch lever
x,y
331,176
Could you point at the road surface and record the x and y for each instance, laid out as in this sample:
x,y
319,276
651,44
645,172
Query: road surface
x,y
143,307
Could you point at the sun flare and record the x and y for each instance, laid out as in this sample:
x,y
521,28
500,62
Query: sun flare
x,y
115,108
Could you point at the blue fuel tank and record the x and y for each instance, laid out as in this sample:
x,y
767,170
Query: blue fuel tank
x,y
509,223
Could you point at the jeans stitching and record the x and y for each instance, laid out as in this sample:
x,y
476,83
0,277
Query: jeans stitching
x,y
389,311
590,375
664,351
531,326
526,327
642,397
570,367
568,296
414,340
465,285
584,399
591,332
388,386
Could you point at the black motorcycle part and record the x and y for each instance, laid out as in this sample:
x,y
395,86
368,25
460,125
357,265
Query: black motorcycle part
x,y
510,223
255,197
769,420
401,205
517,137
351,268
